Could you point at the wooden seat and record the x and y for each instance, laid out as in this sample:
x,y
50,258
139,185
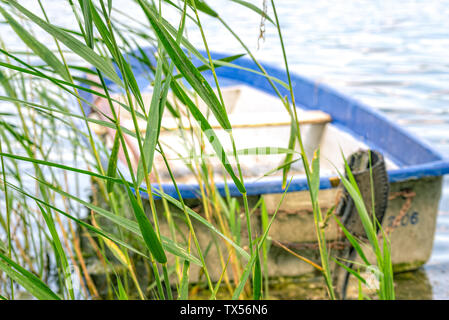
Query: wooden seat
x,y
242,120
239,117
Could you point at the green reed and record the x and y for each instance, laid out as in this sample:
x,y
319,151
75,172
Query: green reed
x,y
47,208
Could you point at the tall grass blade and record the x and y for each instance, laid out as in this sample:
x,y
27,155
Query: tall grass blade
x,y
257,278
209,132
122,295
202,220
29,281
37,47
73,44
153,126
88,24
387,271
184,286
149,235
254,255
354,192
80,222
204,7
186,67
351,271
217,64
254,8
353,241
60,254
112,164
117,180
129,225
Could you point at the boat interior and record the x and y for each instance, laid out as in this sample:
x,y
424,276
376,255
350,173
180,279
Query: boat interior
x,y
261,131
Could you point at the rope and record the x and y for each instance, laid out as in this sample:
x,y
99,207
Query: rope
x,y
408,195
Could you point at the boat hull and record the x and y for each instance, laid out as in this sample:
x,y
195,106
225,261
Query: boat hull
x,y
410,220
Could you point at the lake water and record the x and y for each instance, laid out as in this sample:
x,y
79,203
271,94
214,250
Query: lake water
x,y
392,55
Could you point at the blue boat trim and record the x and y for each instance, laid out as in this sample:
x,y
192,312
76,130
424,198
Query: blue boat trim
x,y
190,191
415,158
